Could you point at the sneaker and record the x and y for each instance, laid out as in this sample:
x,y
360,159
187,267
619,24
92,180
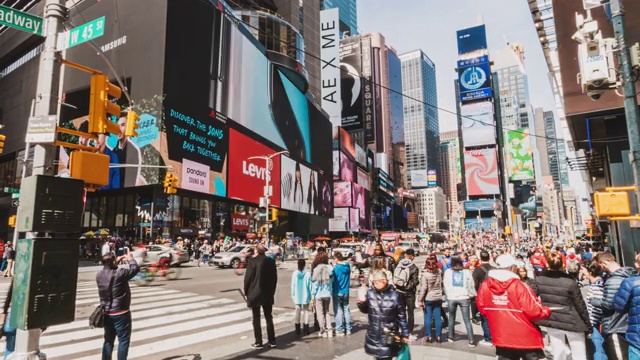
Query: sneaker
x,y
485,343
472,345
450,340
413,338
323,334
330,333
272,344
257,346
348,333
340,334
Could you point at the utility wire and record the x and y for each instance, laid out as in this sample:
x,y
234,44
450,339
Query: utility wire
x,y
226,12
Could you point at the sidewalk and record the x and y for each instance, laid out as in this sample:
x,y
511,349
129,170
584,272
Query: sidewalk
x,y
428,352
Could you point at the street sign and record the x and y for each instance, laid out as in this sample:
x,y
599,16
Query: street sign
x,y
80,34
592,4
15,196
15,202
41,129
21,20
10,190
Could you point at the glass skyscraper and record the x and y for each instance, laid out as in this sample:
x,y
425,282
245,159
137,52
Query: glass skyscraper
x,y
421,124
348,14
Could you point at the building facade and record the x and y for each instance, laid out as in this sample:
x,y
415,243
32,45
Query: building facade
x,y
450,168
508,64
348,14
421,124
432,207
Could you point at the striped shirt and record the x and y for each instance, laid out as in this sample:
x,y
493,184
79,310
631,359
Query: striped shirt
x,y
595,291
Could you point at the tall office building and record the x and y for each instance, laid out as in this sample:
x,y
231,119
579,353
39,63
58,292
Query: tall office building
x,y
421,124
450,168
514,89
396,113
288,28
348,14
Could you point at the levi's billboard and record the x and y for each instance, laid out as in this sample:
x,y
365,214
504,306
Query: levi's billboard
x,y
247,176
240,222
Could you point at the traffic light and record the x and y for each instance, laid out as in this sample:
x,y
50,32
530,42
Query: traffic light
x,y
100,107
92,168
132,124
611,203
170,183
12,221
272,215
2,138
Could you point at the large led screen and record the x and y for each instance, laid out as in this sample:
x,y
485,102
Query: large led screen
x,y
519,155
351,84
354,219
340,220
342,196
298,187
336,164
473,39
347,168
474,79
359,201
477,124
363,179
250,176
347,143
481,172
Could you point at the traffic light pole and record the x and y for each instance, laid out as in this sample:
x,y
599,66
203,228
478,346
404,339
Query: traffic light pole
x,y
632,114
55,13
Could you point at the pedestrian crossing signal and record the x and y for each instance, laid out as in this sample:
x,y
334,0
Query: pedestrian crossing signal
x,y
272,215
170,183
12,221
2,139
132,124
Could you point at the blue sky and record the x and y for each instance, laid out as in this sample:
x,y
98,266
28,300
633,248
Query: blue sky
x,y
431,25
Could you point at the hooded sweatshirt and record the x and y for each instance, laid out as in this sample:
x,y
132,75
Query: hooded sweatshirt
x,y
341,279
322,281
301,287
458,284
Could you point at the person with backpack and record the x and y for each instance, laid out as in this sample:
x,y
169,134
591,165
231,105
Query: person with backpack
x,y
406,278
459,287
573,265
480,274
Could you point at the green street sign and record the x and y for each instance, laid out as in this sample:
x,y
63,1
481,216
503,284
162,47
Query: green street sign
x,y
10,190
80,34
21,20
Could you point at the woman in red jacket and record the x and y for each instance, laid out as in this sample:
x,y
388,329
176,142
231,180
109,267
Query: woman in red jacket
x,y
511,309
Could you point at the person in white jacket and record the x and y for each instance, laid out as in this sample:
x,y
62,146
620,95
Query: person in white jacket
x,y
460,289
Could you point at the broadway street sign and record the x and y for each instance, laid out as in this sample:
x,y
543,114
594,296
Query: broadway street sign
x,y
20,20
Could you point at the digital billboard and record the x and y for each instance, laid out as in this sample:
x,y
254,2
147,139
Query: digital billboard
x,y
432,178
419,178
359,202
361,156
351,84
364,179
249,175
298,187
336,164
347,168
474,78
477,124
340,220
347,143
473,39
354,219
240,222
342,196
481,172
519,155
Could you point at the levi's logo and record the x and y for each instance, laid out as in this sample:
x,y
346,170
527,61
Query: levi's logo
x,y
241,221
254,170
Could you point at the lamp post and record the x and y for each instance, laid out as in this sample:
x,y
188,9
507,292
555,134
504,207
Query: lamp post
x,y
267,192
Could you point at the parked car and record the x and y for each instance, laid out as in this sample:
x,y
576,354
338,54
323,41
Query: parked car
x,y
178,255
411,245
232,257
347,249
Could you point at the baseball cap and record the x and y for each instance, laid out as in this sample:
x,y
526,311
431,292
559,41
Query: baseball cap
x,y
505,261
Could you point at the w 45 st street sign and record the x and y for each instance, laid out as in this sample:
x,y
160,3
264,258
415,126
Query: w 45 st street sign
x,y
21,20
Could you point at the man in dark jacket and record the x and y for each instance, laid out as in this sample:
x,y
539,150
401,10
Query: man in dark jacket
x,y
406,278
378,253
385,310
115,297
614,324
479,274
260,287
627,301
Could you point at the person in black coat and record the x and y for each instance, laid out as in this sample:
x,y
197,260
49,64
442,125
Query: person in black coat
x,y
569,316
386,312
260,287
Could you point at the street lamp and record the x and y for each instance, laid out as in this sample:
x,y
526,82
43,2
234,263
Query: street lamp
x,y
267,192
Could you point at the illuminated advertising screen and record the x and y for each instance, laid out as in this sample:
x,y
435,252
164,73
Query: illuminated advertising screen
x,y
342,194
481,172
361,156
473,39
432,178
363,179
354,219
474,78
351,84
477,124
336,164
250,175
347,168
347,143
298,187
359,201
418,178
519,152
340,220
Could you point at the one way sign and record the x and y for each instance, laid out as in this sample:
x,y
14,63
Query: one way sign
x,y
15,202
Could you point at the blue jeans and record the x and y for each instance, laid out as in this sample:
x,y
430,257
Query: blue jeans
x,y
485,328
342,313
4,264
117,325
598,345
466,317
433,312
10,334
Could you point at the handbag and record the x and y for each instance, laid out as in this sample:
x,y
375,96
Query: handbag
x,y
96,320
404,353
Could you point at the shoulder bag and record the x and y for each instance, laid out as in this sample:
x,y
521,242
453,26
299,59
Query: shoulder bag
x,y
96,320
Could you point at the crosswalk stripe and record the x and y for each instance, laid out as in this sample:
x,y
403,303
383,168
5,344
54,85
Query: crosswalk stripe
x,y
134,292
142,324
159,298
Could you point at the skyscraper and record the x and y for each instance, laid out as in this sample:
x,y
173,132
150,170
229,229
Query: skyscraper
x,y
514,89
421,124
450,168
397,118
348,14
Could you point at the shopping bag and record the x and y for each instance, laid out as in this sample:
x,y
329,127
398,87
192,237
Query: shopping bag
x,y
405,353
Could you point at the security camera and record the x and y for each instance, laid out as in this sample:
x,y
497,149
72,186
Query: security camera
x,y
595,94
